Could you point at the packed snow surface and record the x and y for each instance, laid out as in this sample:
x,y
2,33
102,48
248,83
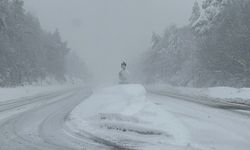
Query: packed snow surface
x,y
227,94
49,85
27,91
122,116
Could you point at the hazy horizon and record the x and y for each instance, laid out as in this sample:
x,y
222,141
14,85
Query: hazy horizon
x,y
104,33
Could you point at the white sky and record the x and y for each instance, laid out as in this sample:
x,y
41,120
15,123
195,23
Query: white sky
x,y
104,32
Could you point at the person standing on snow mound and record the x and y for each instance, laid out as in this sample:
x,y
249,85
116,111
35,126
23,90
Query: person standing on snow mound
x,y
123,74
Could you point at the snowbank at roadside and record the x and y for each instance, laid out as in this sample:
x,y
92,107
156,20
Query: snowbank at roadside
x,y
7,94
227,94
122,116
41,87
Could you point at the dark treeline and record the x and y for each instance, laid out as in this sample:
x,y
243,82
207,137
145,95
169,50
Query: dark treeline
x,y
212,50
27,52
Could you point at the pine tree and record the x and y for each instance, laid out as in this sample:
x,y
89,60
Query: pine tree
x,y
196,12
155,39
27,52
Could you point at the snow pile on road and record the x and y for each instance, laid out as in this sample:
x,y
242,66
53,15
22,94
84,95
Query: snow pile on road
x,y
122,116
227,94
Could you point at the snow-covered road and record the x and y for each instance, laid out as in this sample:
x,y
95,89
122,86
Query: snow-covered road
x,y
210,127
38,123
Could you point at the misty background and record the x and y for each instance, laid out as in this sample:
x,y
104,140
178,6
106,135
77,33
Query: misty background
x,y
103,33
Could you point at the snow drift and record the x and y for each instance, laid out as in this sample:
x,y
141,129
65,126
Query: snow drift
x,y
123,117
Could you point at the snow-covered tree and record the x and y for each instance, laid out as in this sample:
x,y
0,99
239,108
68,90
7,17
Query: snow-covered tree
x,y
214,50
169,57
196,12
223,51
210,13
155,39
27,52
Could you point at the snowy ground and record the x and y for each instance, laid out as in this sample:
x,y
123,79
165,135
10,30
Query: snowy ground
x,y
20,99
119,117
10,94
27,91
37,123
124,117
208,127
222,94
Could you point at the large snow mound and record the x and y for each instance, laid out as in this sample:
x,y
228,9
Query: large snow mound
x,y
122,116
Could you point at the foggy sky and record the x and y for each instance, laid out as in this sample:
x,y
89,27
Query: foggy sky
x,y
104,32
